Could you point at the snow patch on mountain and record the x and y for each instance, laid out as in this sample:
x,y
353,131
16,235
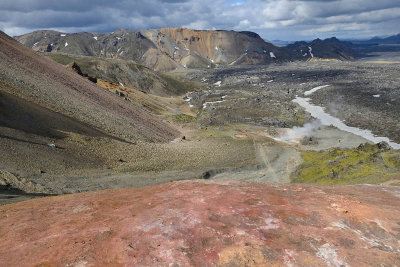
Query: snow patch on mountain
x,y
310,49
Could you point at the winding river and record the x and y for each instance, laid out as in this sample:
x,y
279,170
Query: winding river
x,y
327,119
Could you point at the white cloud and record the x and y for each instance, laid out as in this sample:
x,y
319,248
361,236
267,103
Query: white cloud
x,y
272,19
244,23
198,25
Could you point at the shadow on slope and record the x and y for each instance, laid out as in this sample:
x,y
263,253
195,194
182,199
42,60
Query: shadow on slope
x,y
19,114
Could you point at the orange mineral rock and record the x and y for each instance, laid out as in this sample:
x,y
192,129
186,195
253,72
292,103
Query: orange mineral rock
x,y
206,223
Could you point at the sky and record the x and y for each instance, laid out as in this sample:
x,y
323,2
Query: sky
x,y
271,19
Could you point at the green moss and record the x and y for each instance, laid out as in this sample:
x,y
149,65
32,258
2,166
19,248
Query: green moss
x,y
178,86
153,108
365,164
223,131
300,119
292,120
87,64
183,118
60,58
391,159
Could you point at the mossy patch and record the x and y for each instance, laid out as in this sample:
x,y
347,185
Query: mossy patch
x,y
183,118
179,86
296,119
391,159
365,164
300,119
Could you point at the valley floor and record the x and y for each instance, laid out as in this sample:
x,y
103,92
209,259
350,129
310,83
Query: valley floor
x,y
241,124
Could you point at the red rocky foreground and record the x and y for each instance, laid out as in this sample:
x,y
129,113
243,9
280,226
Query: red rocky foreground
x,y
206,224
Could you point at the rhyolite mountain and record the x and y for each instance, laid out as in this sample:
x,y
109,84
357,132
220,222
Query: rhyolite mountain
x,y
172,48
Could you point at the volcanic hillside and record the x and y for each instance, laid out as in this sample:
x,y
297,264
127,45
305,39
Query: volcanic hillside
x,y
172,48
125,73
52,119
42,83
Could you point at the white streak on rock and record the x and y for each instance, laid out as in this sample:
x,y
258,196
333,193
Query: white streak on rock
x,y
218,83
329,254
309,92
310,49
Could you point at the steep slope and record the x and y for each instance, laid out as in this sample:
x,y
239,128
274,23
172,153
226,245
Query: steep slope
x,y
53,121
206,224
126,73
172,48
43,82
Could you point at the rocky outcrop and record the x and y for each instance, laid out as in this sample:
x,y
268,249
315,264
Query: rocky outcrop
x,y
206,223
11,182
174,48
75,68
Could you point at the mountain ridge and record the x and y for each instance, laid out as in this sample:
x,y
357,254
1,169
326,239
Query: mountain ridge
x,y
179,48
